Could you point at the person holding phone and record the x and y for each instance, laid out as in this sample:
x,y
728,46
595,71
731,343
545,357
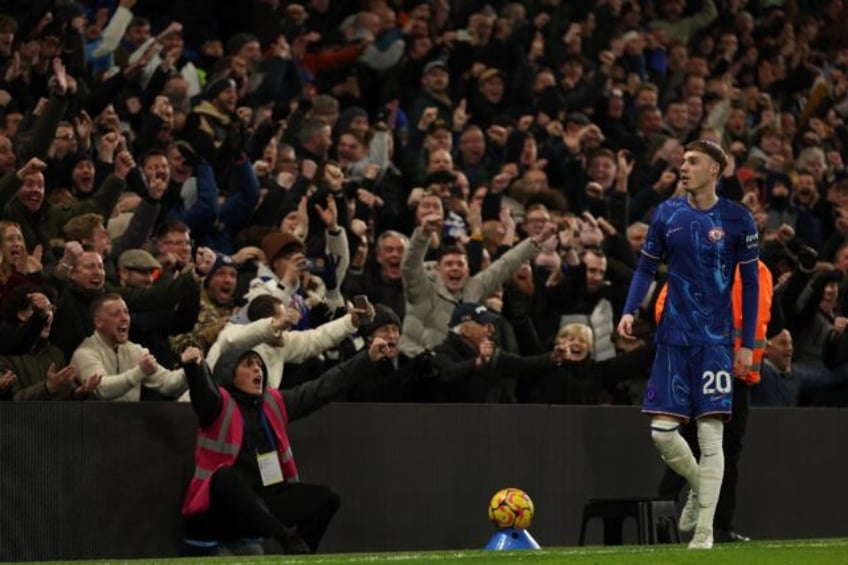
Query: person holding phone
x,y
397,377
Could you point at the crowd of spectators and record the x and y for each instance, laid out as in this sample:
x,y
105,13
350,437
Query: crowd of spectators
x,y
226,175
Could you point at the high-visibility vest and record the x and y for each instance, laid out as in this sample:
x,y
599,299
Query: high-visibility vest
x,y
218,445
766,289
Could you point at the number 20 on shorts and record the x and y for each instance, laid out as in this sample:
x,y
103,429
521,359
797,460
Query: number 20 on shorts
x,y
717,382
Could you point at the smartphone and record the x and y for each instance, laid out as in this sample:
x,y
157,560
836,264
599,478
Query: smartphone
x,y
360,302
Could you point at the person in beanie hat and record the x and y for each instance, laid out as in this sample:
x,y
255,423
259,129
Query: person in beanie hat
x,y
216,86
254,489
398,377
217,304
383,316
213,129
222,292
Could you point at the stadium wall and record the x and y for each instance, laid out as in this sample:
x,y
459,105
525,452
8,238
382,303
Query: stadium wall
x,y
101,480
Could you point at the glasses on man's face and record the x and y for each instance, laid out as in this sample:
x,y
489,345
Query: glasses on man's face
x,y
538,220
65,137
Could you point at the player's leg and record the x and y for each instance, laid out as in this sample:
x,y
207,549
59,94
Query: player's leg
x,y
671,483
734,432
667,399
678,456
710,472
665,431
712,389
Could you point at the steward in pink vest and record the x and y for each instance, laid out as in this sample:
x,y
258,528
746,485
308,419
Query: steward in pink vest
x,y
245,481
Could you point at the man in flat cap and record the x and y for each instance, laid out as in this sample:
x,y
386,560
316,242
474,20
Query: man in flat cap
x,y
139,269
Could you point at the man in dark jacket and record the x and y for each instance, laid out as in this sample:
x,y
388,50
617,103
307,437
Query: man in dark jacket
x,y
136,269
40,371
381,280
396,378
470,364
41,221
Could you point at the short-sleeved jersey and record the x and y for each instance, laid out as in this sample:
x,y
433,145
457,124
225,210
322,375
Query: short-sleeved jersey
x,y
702,249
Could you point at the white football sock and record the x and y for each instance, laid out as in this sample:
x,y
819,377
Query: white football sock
x,y
674,450
711,468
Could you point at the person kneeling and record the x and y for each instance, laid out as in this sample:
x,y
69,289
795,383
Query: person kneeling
x,y
245,482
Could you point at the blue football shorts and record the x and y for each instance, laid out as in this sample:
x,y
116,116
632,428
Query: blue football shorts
x,y
690,381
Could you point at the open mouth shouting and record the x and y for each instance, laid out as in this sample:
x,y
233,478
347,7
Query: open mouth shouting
x,y
453,280
32,199
393,269
16,252
524,273
225,293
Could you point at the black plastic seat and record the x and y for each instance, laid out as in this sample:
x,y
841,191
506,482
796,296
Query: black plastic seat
x,y
655,518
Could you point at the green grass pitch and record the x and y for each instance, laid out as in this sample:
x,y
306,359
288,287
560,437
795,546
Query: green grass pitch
x,y
776,552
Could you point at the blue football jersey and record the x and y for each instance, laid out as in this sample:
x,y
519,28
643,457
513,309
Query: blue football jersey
x,y
701,249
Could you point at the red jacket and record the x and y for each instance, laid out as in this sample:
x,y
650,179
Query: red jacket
x,y
218,446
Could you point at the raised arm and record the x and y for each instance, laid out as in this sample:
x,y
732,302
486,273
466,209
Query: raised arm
x,y
415,283
205,398
304,399
298,346
485,282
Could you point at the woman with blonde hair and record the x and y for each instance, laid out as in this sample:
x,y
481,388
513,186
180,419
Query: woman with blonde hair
x,y
17,267
576,378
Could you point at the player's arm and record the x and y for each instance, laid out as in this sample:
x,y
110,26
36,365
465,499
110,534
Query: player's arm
x,y
750,304
750,301
649,261
749,255
646,269
749,273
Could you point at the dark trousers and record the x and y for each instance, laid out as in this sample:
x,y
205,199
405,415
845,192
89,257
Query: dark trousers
x,y
237,511
734,430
